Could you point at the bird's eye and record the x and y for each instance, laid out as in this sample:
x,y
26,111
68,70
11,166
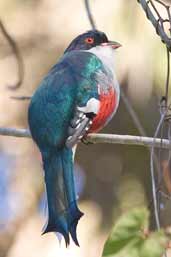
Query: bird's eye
x,y
89,40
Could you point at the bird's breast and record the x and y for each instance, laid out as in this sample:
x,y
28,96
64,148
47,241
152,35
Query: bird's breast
x,y
108,105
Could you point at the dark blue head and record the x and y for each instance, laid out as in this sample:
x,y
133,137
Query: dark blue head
x,y
90,39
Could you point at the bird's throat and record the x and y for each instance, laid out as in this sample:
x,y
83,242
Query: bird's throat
x,y
107,56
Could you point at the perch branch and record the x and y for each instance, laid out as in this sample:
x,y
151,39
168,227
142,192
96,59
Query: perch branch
x,y
101,138
13,132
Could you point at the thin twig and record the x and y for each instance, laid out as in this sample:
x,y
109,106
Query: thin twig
x,y
155,9
21,97
160,2
133,114
154,190
17,55
137,124
167,76
158,23
163,111
89,14
159,28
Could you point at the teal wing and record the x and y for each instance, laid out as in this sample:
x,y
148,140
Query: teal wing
x,y
58,115
69,85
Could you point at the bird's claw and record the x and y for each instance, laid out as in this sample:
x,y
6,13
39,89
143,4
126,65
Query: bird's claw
x,y
85,141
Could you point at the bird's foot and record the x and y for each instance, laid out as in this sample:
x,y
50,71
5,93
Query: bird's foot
x,y
85,141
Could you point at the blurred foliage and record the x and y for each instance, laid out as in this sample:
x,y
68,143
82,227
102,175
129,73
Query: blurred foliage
x,y
131,237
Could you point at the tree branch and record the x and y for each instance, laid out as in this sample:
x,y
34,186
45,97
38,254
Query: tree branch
x,y
129,140
13,132
101,138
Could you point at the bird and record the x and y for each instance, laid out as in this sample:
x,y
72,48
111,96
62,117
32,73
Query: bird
x,y
79,95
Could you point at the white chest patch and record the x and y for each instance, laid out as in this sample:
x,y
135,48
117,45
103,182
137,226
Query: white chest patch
x,y
93,105
106,54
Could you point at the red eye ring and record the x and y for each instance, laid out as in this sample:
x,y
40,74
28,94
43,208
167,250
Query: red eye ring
x,y
89,40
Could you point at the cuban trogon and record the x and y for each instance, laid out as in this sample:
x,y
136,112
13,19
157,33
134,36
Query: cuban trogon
x,y
79,95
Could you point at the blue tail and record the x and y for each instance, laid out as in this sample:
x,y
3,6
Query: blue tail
x,y
63,213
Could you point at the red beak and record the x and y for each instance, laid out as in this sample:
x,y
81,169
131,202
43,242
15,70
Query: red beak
x,y
113,44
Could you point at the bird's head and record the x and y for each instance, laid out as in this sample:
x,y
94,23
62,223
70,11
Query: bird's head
x,y
91,39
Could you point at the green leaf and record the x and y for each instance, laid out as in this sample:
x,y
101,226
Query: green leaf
x,y
154,245
126,234
131,249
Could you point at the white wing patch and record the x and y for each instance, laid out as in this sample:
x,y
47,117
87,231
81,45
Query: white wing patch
x,y
92,105
82,121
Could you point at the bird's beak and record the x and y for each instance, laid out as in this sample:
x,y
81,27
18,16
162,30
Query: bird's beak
x,y
113,44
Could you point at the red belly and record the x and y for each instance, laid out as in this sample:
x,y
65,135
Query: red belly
x,y
108,104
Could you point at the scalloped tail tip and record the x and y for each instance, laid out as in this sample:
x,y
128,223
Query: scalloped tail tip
x,y
65,229
73,228
55,228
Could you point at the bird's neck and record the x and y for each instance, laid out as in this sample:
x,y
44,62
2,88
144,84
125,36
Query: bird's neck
x,y
106,55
